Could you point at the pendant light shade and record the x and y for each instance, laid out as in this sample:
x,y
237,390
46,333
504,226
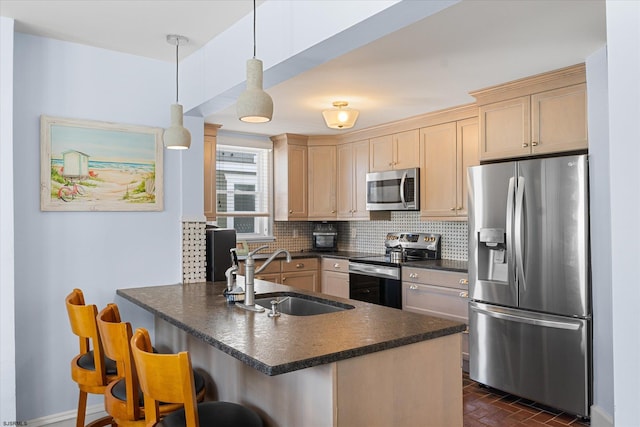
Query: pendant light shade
x,y
177,137
254,104
340,117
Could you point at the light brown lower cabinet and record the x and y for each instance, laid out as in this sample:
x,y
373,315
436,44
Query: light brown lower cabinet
x,y
335,277
438,293
300,273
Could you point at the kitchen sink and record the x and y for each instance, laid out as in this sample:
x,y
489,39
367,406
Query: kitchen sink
x,y
301,304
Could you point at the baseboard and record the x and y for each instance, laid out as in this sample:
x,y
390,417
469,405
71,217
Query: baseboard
x,y
68,418
599,418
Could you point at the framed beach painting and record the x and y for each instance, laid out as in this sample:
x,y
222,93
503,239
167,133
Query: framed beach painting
x,y
99,166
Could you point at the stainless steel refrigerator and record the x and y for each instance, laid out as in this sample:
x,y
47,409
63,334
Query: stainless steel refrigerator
x,y
529,280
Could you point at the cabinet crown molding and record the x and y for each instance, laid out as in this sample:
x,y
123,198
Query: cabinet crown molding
x,y
572,75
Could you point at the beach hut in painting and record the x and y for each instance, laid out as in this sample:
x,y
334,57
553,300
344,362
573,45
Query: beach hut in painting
x,y
75,163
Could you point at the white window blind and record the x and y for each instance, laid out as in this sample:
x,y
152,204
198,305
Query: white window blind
x,y
244,187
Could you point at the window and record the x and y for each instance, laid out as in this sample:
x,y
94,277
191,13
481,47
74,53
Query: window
x,y
244,187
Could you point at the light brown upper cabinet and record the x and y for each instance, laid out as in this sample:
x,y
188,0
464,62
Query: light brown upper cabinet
x,y
397,151
290,177
448,149
210,136
353,165
542,114
322,182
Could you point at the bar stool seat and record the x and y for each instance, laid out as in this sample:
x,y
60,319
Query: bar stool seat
x,y
176,384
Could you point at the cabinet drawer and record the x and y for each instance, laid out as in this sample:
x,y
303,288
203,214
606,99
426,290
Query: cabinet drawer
x,y
436,301
335,264
450,279
273,268
300,264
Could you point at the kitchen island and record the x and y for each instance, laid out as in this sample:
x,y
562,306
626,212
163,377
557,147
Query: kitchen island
x,y
366,366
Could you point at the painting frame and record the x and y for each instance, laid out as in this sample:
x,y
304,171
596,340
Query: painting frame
x,y
89,165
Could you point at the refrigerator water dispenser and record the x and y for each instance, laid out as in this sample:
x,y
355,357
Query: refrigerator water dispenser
x,y
492,255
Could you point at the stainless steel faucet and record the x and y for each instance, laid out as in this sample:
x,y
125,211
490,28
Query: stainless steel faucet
x,y
250,271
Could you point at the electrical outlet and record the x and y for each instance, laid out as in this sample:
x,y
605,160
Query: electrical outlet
x,y
354,233
295,233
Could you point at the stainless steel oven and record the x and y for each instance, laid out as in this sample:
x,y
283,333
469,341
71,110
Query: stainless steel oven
x,y
377,279
377,284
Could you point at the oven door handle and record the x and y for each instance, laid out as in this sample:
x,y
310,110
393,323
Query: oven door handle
x,y
374,270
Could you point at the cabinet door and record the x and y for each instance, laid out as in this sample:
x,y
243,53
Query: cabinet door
x,y
297,165
406,149
505,129
306,280
336,284
381,153
322,182
467,155
359,185
559,120
273,277
210,133
438,172
345,181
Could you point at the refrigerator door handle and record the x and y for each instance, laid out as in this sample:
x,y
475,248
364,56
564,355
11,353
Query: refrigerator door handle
x,y
519,240
499,314
510,209
402,183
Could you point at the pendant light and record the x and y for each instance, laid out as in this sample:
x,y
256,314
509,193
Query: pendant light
x,y
340,117
254,104
177,137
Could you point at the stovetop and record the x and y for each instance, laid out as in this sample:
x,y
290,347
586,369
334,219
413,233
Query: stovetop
x,y
414,246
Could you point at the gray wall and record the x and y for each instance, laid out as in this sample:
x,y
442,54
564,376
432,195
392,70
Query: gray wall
x,y
98,252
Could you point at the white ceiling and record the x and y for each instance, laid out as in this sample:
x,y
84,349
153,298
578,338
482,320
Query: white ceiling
x,y
427,66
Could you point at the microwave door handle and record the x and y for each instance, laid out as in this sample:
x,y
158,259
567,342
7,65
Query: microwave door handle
x,y
402,183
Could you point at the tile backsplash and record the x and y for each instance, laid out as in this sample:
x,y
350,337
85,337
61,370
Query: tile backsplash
x,y
368,236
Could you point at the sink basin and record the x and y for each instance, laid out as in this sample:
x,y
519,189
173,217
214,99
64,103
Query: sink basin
x,y
300,304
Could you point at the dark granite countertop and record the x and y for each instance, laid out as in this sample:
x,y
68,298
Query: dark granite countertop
x,y
275,346
440,264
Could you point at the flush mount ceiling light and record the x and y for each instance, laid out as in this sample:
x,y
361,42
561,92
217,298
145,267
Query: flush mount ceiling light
x,y
177,137
254,104
340,117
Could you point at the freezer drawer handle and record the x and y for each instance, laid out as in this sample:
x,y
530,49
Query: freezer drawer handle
x,y
536,322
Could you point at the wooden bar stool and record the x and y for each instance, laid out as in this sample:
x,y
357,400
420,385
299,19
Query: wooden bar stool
x,y
123,398
167,378
90,369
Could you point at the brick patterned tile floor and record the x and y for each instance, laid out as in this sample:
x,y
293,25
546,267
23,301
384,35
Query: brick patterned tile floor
x,y
485,406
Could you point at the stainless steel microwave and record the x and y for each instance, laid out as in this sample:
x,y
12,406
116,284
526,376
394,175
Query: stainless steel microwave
x,y
395,190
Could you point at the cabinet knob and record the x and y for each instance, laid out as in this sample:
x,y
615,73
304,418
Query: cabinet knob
x,y
534,143
333,211
413,275
336,265
464,294
464,282
299,265
290,212
459,208
413,287
452,209
525,144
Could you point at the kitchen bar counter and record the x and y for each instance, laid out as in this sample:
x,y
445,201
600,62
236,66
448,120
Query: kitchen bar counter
x,y
288,343
369,366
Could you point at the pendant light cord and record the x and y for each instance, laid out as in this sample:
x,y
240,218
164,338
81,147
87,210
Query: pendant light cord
x,y
254,29
177,44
